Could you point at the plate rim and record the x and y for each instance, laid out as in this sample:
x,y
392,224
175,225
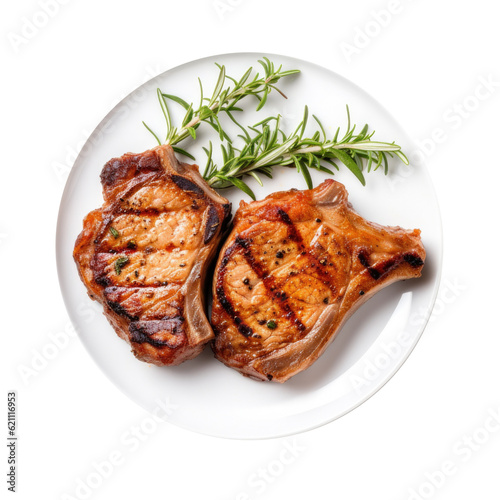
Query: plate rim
x,y
437,258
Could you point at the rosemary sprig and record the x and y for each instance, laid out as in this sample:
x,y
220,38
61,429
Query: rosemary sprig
x,y
223,99
268,146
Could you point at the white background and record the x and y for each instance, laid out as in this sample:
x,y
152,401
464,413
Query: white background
x,y
432,431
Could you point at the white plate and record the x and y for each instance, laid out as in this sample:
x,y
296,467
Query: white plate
x,y
204,395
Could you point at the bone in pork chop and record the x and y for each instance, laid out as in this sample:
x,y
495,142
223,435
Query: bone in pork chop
x,y
145,253
294,268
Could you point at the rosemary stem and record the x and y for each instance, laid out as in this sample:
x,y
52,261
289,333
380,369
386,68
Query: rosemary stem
x,y
183,133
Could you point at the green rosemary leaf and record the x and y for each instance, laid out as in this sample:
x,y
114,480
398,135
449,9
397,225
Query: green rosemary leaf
x,y
241,185
181,151
321,168
263,100
222,100
304,171
265,145
321,127
218,85
386,166
370,161
402,157
165,111
373,146
178,100
331,162
335,138
154,135
350,164
256,177
304,121
276,153
363,131
209,166
188,117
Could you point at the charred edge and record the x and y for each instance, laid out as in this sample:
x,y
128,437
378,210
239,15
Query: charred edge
x,y
119,169
187,185
374,272
102,280
363,258
270,283
121,311
142,331
212,226
413,259
225,302
227,213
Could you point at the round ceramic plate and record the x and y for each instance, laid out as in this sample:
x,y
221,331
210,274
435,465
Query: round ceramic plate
x,y
204,395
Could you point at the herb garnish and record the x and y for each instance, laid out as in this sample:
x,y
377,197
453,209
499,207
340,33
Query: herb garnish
x,y
120,262
266,145
222,100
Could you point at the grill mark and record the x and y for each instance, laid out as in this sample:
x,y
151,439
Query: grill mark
x,y
120,310
268,280
224,300
141,331
270,283
128,250
137,284
413,259
363,258
114,208
379,270
212,225
145,212
294,235
187,185
103,279
375,271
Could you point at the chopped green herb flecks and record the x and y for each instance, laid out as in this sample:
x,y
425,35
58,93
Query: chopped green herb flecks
x,y
120,262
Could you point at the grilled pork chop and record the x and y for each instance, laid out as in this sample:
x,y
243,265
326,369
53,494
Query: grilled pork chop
x,y
294,268
144,254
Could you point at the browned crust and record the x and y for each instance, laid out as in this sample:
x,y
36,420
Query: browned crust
x,y
164,322
364,269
